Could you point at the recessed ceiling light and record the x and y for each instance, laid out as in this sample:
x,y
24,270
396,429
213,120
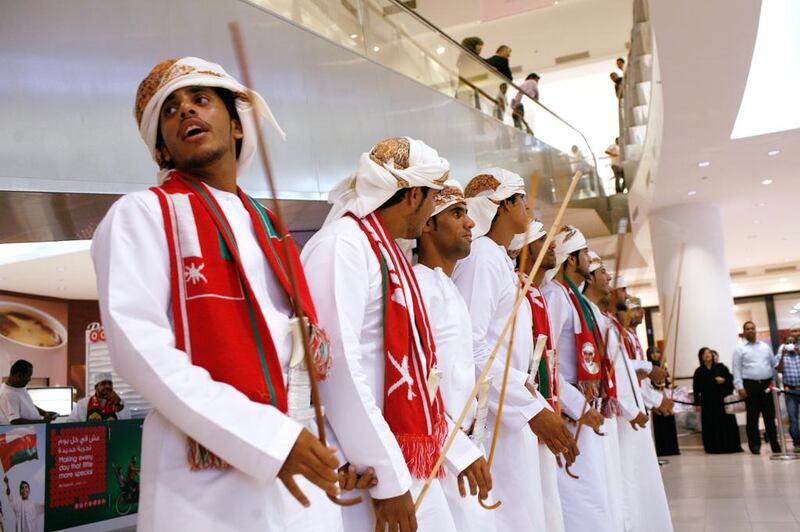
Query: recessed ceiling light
x,y
62,288
772,153
440,50
376,48
756,222
783,280
704,164
761,204
60,269
354,36
691,193
766,181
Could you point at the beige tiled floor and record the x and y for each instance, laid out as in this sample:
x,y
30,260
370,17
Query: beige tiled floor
x,y
732,493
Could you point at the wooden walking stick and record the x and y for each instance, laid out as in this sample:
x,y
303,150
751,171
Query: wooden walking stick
x,y
675,341
584,410
283,235
675,295
621,228
471,397
532,193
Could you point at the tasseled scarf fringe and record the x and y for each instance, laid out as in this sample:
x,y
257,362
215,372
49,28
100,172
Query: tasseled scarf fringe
x,y
421,453
610,408
201,458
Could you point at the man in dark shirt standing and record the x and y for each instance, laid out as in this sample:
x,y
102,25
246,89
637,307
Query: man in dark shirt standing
x,y
499,61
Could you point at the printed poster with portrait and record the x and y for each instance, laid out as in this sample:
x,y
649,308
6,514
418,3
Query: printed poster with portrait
x,y
22,452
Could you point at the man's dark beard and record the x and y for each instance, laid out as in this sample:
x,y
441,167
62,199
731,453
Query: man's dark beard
x,y
201,160
621,306
415,232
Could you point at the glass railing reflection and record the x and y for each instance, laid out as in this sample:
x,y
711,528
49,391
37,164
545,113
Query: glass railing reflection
x,y
390,34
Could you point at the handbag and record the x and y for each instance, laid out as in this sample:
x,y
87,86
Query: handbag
x,y
734,404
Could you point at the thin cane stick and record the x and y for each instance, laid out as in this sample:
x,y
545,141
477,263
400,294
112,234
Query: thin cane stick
x,y
578,430
532,192
520,298
283,234
675,341
584,410
499,415
668,325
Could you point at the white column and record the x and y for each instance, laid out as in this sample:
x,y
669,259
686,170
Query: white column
x,y
706,308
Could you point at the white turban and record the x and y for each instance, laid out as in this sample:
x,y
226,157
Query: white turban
x,y
169,76
100,377
375,182
595,262
451,194
483,206
535,232
568,240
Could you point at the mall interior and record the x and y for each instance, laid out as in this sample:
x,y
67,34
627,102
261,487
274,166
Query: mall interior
x,y
688,186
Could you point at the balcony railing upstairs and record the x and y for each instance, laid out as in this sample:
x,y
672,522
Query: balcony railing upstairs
x,y
388,33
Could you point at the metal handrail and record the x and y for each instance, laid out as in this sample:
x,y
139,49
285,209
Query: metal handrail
x,y
472,56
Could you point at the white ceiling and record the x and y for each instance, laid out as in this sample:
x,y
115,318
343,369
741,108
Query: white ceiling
x,y
537,37
704,63
65,275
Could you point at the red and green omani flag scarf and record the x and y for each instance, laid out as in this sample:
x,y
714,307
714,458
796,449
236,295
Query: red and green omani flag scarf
x,y
97,410
594,366
216,315
416,420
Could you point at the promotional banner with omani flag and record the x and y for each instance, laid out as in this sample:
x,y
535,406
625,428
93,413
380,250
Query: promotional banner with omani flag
x,y
22,451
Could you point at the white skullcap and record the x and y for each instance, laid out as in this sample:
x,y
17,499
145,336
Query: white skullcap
x,y
535,232
451,194
568,240
100,377
375,182
633,302
595,262
619,282
171,75
482,205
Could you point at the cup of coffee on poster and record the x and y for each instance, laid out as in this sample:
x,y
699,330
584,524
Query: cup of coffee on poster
x,y
28,331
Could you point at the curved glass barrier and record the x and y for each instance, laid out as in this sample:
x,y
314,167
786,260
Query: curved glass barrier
x,y
388,33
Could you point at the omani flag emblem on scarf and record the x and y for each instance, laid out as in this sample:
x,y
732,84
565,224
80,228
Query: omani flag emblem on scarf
x,y
17,446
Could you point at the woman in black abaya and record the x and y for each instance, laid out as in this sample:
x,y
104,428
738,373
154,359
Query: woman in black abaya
x,y
712,382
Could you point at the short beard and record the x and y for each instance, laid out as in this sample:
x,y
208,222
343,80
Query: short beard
x,y
202,160
412,231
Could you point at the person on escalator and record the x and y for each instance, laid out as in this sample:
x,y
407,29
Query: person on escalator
x,y
529,87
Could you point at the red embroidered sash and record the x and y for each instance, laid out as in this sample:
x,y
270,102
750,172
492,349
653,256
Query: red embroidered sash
x,y
638,352
586,341
417,422
216,316
97,411
547,374
630,349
